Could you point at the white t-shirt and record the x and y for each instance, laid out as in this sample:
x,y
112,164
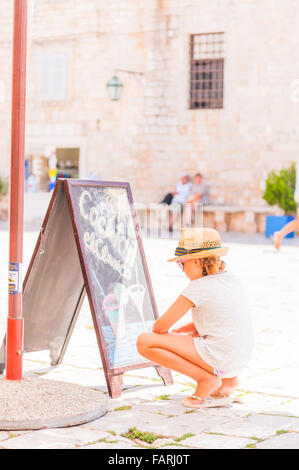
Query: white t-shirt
x,y
222,318
183,191
201,189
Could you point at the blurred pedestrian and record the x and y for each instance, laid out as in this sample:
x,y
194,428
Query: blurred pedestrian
x,y
294,224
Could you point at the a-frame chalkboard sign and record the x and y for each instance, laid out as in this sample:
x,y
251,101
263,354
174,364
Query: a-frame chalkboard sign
x,y
90,243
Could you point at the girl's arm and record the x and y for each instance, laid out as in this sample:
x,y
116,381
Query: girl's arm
x,y
177,310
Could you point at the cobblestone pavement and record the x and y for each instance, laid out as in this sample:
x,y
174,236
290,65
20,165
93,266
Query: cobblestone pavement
x,y
148,414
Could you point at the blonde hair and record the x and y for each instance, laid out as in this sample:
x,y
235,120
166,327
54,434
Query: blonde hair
x,y
212,265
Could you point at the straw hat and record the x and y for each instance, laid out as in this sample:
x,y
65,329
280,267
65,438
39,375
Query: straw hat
x,y
199,243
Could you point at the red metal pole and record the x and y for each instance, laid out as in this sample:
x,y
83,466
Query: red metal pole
x,y
14,337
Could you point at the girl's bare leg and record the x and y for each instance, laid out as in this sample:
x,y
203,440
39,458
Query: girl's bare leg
x,y
288,228
228,386
177,352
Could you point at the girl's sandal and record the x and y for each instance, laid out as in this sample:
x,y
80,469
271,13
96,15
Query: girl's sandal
x,y
199,403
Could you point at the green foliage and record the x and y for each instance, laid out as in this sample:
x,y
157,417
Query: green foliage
x,y
183,437
280,188
163,397
148,437
3,186
122,408
251,446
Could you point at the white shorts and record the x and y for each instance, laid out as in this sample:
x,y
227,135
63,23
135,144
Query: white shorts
x,y
176,207
228,373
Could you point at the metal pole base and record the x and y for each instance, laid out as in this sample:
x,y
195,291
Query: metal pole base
x,y
14,345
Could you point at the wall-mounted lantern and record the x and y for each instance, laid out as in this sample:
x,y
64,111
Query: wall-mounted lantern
x,y
114,88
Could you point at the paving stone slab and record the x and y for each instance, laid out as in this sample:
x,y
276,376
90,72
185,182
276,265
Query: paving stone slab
x,y
35,366
13,434
172,407
111,442
116,404
259,426
146,392
293,424
165,407
281,441
160,390
56,439
288,407
214,441
36,357
120,422
146,388
145,422
176,426
4,435
225,412
145,372
179,447
160,443
262,403
111,445
86,377
83,355
282,382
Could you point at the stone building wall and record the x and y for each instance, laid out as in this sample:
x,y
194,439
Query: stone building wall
x,y
150,137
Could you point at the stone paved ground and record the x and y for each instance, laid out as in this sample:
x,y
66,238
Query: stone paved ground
x,y
269,416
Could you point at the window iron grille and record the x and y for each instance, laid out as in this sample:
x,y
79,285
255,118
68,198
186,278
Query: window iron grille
x,y
207,66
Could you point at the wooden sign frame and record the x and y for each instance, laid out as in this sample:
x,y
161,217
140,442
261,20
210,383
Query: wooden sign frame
x,y
52,330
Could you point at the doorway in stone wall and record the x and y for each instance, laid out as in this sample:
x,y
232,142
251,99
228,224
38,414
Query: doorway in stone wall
x,y
68,162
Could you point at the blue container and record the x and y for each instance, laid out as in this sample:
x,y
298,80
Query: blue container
x,y
51,185
274,223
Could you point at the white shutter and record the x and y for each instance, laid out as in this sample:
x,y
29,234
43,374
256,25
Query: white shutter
x,y
53,77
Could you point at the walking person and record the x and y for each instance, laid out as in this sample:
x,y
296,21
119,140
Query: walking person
x,y
294,224
218,343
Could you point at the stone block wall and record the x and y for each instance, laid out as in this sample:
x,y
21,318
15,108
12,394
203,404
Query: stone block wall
x,y
150,137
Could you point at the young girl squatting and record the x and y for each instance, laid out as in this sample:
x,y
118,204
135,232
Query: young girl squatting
x,y
217,345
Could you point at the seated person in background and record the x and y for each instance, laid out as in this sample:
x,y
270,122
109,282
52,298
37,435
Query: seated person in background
x,y
198,194
199,190
182,190
180,197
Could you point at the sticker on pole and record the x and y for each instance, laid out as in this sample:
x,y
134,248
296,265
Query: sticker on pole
x,y
15,278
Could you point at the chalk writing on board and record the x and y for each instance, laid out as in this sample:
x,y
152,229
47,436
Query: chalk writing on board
x,y
108,226
114,263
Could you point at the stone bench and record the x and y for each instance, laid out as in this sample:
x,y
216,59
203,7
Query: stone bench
x,y
248,219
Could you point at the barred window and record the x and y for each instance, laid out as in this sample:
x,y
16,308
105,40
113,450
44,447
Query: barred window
x,y
207,64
